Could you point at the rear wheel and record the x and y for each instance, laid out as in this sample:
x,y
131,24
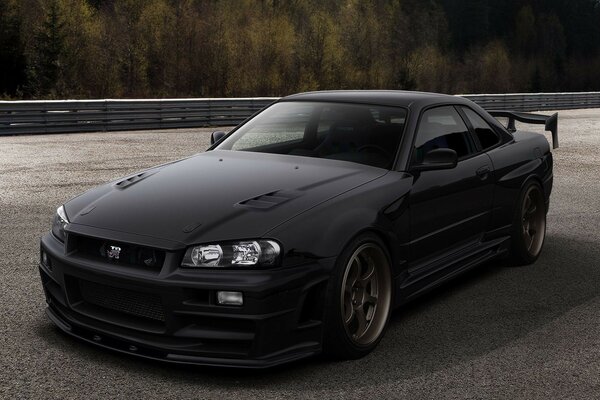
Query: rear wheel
x,y
359,299
529,225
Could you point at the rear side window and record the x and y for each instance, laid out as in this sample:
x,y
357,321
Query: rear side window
x,y
486,135
442,128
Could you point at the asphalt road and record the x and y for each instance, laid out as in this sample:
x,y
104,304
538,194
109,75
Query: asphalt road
x,y
497,332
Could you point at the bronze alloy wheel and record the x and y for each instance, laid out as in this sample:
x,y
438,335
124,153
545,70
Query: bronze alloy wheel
x,y
366,294
533,219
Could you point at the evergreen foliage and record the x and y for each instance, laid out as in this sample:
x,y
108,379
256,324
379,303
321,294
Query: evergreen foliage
x,y
215,48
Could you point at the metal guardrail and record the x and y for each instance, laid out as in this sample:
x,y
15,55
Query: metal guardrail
x,y
536,101
60,116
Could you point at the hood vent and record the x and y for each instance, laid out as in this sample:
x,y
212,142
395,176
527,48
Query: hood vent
x,y
269,200
133,179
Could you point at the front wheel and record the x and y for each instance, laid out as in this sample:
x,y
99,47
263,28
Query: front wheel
x,y
359,299
529,225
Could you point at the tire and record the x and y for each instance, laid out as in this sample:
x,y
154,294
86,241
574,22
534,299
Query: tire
x,y
358,300
529,225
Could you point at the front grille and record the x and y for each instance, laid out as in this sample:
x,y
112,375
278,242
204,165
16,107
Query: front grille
x,y
117,253
144,305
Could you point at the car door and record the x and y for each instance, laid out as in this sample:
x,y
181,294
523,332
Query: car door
x,y
449,208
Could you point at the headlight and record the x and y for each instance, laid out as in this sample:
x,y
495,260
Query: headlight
x,y
235,254
59,223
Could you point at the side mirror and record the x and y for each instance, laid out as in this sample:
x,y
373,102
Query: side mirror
x,y
216,136
437,159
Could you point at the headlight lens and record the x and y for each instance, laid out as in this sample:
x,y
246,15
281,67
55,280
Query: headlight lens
x,y
206,256
243,254
59,223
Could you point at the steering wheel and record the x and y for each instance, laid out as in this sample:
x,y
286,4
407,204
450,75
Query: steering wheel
x,y
375,147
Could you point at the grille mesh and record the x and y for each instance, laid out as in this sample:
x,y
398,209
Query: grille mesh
x,y
129,255
143,305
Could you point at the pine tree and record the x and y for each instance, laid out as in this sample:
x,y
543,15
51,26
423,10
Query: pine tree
x,y
12,58
45,62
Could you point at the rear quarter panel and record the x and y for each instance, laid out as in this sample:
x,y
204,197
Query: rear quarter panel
x,y
515,163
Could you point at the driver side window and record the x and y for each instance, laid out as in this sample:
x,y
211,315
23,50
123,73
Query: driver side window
x,y
442,128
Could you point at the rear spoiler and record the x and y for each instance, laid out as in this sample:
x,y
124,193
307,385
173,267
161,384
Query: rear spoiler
x,y
551,122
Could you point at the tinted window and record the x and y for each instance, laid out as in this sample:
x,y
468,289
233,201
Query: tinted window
x,y
364,134
484,132
285,126
442,128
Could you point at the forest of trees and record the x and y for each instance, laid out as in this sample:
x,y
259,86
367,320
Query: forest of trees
x,y
225,48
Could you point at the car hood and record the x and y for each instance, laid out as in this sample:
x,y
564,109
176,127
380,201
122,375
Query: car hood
x,y
217,195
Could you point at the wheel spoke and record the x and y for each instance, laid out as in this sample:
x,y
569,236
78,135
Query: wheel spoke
x,y
527,203
368,274
347,293
348,311
362,322
354,273
528,240
532,232
370,299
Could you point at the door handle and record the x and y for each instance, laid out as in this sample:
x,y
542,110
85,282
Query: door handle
x,y
483,172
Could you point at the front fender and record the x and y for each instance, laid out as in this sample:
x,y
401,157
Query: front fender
x,y
377,206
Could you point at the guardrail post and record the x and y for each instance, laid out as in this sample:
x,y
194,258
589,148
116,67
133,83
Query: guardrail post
x,y
160,113
104,115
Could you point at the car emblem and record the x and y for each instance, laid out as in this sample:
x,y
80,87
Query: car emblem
x,y
113,253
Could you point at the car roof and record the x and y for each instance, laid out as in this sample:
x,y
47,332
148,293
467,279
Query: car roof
x,y
398,98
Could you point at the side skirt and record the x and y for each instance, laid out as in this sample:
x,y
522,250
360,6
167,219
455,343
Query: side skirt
x,y
419,282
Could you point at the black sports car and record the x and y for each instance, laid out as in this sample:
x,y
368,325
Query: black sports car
x,y
300,230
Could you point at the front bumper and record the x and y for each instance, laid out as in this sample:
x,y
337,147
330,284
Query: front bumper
x,y
172,315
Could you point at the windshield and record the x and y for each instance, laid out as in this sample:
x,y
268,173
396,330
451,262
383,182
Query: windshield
x,y
364,134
